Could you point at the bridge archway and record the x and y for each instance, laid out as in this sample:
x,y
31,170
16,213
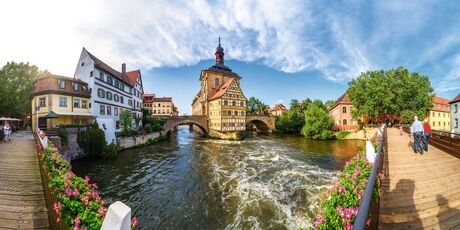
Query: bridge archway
x,y
199,121
260,123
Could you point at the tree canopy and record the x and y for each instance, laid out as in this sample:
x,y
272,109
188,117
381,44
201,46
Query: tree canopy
x,y
255,106
393,94
16,87
318,124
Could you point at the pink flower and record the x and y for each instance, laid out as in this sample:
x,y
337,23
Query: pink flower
x,y
68,192
101,211
342,189
77,223
58,219
75,192
87,179
93,186
134,221
368,222
319,222
57,207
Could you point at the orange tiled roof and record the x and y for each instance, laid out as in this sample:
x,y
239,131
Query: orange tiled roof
x,y
441,104
132,76
278,107
50,84
162,99
222,90
344,99
440,100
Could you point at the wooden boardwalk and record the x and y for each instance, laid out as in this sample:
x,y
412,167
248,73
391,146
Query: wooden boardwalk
x,y
419,191
22,202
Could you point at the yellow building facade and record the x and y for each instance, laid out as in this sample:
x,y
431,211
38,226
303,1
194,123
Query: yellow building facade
x,y
221,99
65,99
439,116
159,106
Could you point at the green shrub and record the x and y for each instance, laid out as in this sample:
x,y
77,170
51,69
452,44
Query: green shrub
x,y
126,120
152,141
110,151
342,134
318,123
62,133
92,141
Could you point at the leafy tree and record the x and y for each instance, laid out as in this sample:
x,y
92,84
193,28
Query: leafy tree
x,y
291,121
329,104
393,94
318,124
319,103
126,121
15,88
92,141
304,104
255,106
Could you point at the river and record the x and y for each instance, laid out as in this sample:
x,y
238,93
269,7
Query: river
x,y
189,182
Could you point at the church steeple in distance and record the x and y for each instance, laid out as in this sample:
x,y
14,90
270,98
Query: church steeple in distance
x,y
219,54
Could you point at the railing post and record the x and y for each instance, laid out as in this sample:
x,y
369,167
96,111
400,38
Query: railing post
x,y
118,217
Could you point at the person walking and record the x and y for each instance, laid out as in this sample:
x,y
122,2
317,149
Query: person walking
x,y
416,131
428,134
7,131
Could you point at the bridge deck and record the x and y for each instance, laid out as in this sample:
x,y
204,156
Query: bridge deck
x,y
22,201
419,191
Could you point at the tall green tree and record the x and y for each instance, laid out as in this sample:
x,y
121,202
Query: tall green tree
x,y
318,124
329,104
291,121
395,93
16,85
255,106
126,121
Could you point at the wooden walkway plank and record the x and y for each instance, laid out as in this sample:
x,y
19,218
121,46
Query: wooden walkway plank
x,y
22,201
419,191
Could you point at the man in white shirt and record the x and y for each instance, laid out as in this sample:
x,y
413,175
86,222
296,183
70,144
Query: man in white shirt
x,y
416,131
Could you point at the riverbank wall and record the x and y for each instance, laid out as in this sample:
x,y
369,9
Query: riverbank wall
x,y
134,141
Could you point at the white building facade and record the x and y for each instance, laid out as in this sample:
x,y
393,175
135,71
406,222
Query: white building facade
x,y
455,114
111,92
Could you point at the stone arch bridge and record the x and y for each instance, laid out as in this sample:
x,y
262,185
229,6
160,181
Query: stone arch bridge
x,y
262,123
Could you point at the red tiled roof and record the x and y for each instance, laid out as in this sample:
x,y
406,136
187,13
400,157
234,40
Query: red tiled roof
x,y
440,100
278,107
50,84
457,98
148,97
222,90
162,99
101,65
344,99
132,76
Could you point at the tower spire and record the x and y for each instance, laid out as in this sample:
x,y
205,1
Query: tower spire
x,y
219,54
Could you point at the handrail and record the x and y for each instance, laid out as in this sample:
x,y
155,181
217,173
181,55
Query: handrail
x,y
363,212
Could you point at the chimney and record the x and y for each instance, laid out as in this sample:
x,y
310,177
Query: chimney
x,y
123,69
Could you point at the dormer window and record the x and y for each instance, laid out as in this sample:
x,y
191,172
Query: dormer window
x,y
61,84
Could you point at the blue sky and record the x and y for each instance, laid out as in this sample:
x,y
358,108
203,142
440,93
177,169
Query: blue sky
x,y
283,49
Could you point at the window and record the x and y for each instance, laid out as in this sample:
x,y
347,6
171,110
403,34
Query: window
x,y
115,111
102,109
234,103
84,104
456,122
229,112
109,80
130,102
216,82
109,110
116,97
62,84
439,123
76,103
225,102
108,95
62,101
434,124
42,102
122,100
100,93
344,110
434,114
117,124
90,105
91,74
235,113
455,108
75,86
101,75
117,83
122,87
344,122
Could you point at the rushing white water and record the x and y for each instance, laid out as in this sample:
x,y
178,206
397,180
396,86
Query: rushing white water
x,y
188,182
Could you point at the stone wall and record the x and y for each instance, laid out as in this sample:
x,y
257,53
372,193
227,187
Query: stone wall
x,y
130,142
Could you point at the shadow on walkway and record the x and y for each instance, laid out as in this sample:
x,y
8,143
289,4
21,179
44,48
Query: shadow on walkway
x,y
448,217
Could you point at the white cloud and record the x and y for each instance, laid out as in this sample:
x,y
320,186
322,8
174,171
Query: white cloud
x,y
452,79
146,34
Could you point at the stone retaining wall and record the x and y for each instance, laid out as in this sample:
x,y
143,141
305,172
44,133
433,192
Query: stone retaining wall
x,y
130,142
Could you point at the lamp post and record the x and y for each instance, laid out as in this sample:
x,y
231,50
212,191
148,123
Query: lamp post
x,y
37,108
